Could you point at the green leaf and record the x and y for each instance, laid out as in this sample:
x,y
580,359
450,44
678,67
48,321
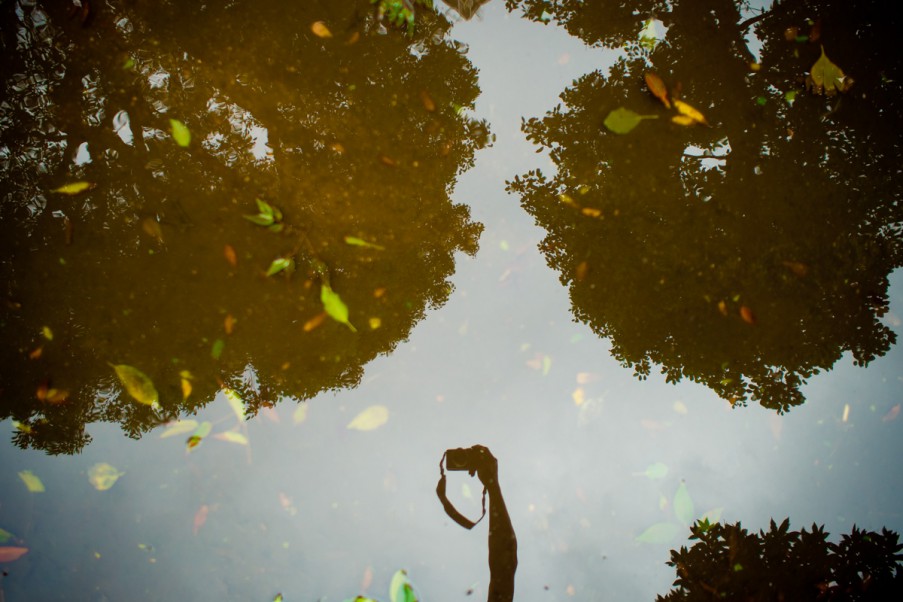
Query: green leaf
x,y
236,403
622,121
371,418
683,505
103,476
217,350
279,264
260,220
655,471
360,242
179,428
137,384
265,209
180,132
826,77
659,533
400,589
202,431
277,598
5,536
32,482
334,306
790,97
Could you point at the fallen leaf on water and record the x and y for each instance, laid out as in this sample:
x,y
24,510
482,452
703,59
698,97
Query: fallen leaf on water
x,y
400,589
200,432
688,111
137,384
427,101
73,188
657,87
216,350
236,403
314,322
658,533
300,413
5,535
320,30
277,598
229,254
713,515
654,471
578,396
10,553
152,228
680,407
682,120
622,121
229,323
581,271
360,242
281,263
47,333
800,269
335,307
846,413
179,428
367,579
103,476
32,482
683,505
747,314
36,353
200,517
371,418
722,307
827,78
584,378
180,132
374,323
891,414
232,437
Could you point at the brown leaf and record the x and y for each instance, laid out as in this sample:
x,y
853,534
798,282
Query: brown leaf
x,y
657,87
229,254
747,314
229,323
427,101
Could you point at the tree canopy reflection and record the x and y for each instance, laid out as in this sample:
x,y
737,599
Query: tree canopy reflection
x,y
351,131
749,255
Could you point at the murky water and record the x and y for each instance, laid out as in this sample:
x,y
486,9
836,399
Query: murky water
x,y
379,245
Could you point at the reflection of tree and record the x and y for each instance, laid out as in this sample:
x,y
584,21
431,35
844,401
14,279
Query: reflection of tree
x,y
351,135
790,211
729,563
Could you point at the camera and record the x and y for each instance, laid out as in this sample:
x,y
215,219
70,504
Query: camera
x,y
468,459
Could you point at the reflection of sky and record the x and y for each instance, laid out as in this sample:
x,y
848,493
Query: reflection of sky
x,y
472,372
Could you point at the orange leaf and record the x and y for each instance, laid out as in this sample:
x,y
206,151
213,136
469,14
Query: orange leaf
x,y
320,30
657,87
314,322
428,103
229,323
747,314
800,269
229,254
722,307
10,553
200,518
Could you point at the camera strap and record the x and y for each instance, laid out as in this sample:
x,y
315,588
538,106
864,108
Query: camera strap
x,y
450,510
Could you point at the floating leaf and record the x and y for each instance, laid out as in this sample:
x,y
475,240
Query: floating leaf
x,y
314,322
657,87
360,242
32,482
200,517
73,188
320,30
682,120
216,351
790,96
281,263
229,254
622,121
202,431
747,315
152,228
655,471
10,553
300,413
102,476
137,384
229,323
713,515
232,437
179,428
827,78
659,533
277,598
180,133
5,535
371,418
891,414
683,505
688,111
400,588
334,306
236,403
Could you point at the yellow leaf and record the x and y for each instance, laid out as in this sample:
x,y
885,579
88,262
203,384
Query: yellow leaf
x,y
371,418
300,413
682,120
137,384
179,427
31,481
48,334
102,476
73,188
578,396
319,28
236,403
375,323
685,109
186,388
232,437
